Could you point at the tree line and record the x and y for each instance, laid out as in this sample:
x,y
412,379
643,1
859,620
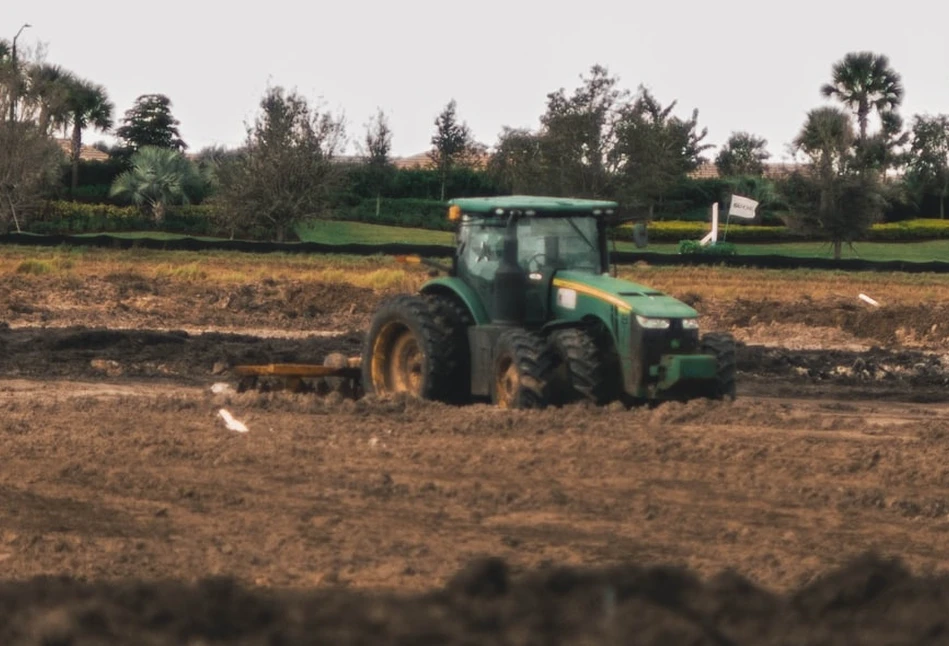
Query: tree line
x,y
597,140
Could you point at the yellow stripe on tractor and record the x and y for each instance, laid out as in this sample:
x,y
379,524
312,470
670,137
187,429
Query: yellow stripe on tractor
x,y
593,292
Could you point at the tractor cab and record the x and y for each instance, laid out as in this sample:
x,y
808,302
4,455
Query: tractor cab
x,y
541,235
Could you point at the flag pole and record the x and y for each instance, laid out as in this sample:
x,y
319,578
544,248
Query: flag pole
x,y
727,220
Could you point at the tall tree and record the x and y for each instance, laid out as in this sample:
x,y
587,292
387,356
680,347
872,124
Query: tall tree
x,y
742,154
149,122
88,106
50,87
29,159
518,162
286,172
865,83
158,178
835,196
378,147
827,139
10,80
451,143
578,133
654,150
29,165
928,168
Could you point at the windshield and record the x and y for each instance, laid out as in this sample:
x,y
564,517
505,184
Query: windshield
x,y
561,243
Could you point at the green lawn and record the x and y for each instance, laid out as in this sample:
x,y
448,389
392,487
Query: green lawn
x,y
149,235
337,232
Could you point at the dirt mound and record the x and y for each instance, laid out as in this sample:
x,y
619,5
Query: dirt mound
x,y
887,325
870,601
127,299
911,375
82,353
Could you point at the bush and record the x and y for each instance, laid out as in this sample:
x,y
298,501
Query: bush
x,y
423,214
694,247
66,218
908,230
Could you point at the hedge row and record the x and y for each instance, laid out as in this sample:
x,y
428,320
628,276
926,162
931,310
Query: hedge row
x,y
76,217
673,231
905,231
921,229
422,214
71,218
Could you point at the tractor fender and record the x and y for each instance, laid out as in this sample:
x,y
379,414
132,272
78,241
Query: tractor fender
x,y
451,286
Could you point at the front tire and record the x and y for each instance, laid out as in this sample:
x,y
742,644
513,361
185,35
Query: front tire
x,y
405,350
722,346
585,373
524,365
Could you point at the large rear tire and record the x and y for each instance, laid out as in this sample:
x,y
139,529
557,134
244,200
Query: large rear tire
x,y
524,365
454,319
722,346
585,373
405,351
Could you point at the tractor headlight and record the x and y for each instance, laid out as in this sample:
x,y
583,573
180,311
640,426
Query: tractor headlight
x,y
690,324
648,323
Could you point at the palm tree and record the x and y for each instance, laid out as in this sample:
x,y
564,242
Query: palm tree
x,y
836,197
826,138
865,82
88,105
159,177
50,87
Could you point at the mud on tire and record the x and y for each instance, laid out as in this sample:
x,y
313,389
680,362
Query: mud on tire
x,y
722,345
584,371
406,351
454,319
524,370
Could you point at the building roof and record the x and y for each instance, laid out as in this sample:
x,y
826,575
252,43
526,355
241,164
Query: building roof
x,y
705,170
420,160
86,153
772,170
490,205
423,161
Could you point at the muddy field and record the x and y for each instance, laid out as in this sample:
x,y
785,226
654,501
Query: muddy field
x,y
333,521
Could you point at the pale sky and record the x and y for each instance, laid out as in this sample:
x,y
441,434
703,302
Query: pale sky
x,y
745,64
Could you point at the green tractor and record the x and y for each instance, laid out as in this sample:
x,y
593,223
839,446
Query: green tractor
x,y
528,315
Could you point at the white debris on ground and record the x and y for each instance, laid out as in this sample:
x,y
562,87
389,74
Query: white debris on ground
x,y
222,388
867,299
231,423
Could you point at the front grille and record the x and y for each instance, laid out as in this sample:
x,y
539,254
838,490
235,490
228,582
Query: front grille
x,y
647,346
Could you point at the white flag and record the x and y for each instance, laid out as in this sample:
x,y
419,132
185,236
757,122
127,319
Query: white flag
x,y
742,207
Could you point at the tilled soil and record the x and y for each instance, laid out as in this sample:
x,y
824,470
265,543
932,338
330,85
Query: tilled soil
x,y
129,300
704,522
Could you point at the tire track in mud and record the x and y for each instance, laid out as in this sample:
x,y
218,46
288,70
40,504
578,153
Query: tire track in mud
x,y
91,353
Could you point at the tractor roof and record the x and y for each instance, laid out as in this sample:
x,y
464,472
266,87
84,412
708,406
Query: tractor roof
x,y
540,205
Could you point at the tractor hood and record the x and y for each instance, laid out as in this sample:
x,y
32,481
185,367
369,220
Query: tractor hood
x,y
638,299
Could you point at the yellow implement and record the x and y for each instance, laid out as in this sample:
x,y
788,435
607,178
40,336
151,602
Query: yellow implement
x,y
338,373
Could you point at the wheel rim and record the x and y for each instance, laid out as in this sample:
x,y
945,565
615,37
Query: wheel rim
x,y
507,383
398,362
